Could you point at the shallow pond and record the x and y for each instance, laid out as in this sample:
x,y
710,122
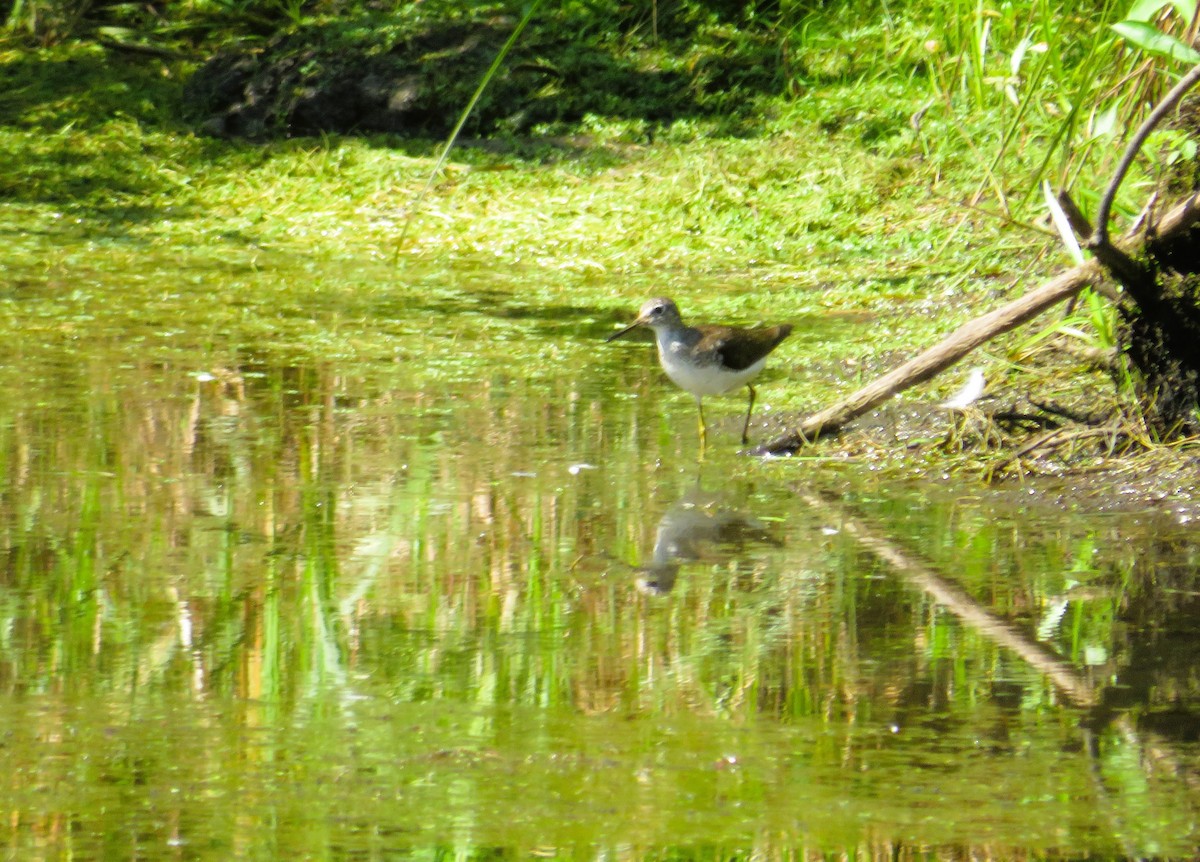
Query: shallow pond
x,y
386,564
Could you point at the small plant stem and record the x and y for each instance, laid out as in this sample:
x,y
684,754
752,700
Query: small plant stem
x,y
462,119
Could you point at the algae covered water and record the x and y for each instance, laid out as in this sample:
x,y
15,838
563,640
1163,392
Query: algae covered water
x,y
314,560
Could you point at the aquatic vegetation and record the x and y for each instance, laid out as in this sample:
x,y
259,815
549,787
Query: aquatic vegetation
x,y
316,542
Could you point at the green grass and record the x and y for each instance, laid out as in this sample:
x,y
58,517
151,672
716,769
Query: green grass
x,y
903,190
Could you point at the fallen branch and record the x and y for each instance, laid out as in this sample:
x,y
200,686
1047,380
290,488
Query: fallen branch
x,y
964,340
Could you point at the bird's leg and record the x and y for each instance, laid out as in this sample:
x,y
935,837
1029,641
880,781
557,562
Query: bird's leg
x,y
749,409
703,427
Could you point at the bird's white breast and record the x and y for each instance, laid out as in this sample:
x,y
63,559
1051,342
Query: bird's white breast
x,y
711,379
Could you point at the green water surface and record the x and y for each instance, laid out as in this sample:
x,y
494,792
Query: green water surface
x,y
330,560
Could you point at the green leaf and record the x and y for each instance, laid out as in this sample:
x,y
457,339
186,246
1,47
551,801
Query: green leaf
x,y
1105,121
1154,41
1146,10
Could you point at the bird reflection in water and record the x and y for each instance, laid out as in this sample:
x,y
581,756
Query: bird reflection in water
x,y
696,528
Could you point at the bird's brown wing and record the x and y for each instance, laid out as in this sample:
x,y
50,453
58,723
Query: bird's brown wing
x,y
742,352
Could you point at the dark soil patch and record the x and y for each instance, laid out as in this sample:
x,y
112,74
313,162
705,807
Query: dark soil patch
x,y
336,78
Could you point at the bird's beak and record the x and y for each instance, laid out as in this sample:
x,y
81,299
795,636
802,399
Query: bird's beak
x,y
630,328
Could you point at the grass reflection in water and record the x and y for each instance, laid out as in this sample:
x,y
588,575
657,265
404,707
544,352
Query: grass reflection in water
x,y
258,606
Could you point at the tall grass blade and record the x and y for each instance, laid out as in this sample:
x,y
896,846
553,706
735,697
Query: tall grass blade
x,y
1062,224
462,119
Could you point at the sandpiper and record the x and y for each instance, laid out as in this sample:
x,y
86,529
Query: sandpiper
x,y
708,359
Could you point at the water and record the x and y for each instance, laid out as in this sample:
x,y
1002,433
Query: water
x,y
330,564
